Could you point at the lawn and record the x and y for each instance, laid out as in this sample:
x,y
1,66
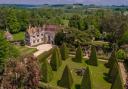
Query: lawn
x,y
97,74
25,50
19,36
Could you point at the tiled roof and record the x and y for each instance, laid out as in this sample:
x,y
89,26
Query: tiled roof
x,y
32,30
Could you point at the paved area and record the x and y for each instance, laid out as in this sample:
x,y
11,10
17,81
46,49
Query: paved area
x,y
123,71
42,48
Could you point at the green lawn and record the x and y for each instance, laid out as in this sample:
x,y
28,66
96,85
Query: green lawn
x,y
19,36
97,74
25,50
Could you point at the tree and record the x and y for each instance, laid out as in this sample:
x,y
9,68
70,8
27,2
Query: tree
x,y
23,74
59,38
55,61
46,71
12,22
87,80
77,22
93,57
66,80
111,59
79,55
117,84
7,51
64,51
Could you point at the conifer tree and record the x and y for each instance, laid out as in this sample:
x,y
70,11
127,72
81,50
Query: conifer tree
x,y
117,84
79,55
64,51
55,61
46,72
86,81
113,71
66,80
111,59
93,57
59,55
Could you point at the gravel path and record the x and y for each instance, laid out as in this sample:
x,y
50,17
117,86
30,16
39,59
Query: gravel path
x,y
123,71
42,48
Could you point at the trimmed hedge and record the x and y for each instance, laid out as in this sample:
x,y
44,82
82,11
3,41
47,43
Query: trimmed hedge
x,y
87,80
66,80
46,72
112,59
79,55
93,57
64,51
55,60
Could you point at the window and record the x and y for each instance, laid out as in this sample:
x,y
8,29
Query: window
x,y
34,41
38,40
42,39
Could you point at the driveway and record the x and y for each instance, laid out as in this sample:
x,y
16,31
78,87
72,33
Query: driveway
x,y
42,48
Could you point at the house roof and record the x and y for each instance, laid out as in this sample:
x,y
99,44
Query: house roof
x,y
52,28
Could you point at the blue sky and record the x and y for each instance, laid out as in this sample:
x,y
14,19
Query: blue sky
x,y
97,2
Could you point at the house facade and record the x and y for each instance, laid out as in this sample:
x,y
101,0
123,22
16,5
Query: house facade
x,y
38,35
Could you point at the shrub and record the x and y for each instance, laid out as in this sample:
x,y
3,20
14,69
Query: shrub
x,y
55,61
64,51
79,55
93,57
117,84
66,80
86,81
120,54
46,72
111,59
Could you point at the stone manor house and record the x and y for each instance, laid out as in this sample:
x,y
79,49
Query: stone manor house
x,y
38,35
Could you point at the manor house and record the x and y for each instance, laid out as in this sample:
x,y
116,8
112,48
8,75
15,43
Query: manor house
x,y
38,35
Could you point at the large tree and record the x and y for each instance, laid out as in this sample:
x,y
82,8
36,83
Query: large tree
x,y
66,80
93,57
6,50
12,22
87,80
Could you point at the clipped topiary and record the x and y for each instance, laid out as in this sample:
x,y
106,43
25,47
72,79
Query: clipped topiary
x,y
59,55
66,80
86,81
111,60
46,72
93,57
55,60
79,55
113,71
64,51
117,84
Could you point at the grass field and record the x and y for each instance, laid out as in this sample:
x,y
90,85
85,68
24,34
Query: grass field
x,y
25,50
97,75
19,36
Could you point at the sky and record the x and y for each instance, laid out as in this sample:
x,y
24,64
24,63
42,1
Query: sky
x,y
97,2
